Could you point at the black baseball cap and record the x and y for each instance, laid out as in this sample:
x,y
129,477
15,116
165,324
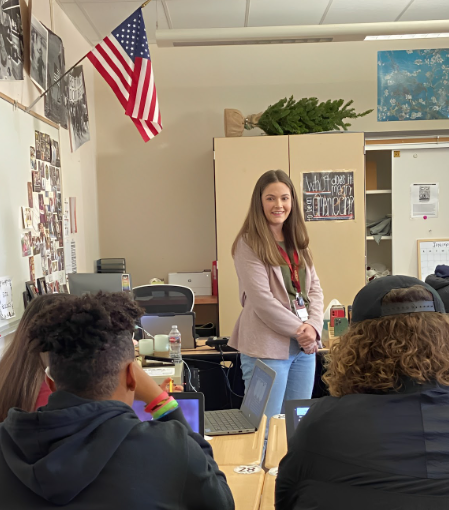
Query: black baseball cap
x,y
368,302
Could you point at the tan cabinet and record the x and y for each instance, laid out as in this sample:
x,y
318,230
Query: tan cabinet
x,y
239,162
338,246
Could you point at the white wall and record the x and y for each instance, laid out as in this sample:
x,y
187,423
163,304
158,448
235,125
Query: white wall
x,y
157,199
79,168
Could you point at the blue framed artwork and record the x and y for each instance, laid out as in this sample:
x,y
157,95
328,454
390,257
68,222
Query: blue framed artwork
x,y
412,85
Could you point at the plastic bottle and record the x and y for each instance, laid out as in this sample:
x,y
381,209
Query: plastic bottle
x,y
174,339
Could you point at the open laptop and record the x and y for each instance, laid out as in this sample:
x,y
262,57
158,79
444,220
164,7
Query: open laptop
x,y
295,410
192,405
247,418
161,324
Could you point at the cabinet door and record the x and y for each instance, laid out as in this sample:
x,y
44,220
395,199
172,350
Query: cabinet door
x,y
338,246
417,166
239,162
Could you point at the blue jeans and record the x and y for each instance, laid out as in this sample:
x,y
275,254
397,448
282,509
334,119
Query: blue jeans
x,y
295,377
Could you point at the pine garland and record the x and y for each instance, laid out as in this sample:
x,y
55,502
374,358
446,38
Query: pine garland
x,y
290,117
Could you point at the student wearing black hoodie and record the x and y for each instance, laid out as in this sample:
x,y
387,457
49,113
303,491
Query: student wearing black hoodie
x,y
87,448
440,282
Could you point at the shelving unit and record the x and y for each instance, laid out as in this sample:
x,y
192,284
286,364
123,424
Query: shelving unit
x,y
378,202
378,191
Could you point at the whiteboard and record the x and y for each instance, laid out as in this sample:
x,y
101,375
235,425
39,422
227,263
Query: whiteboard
x,y
16,137
431,253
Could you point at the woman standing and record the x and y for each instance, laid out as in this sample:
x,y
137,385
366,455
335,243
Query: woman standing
x,y
282,300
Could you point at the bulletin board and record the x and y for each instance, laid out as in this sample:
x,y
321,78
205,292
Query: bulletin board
x,y
431,253
17,135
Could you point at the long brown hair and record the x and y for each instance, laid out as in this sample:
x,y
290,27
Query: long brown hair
x,y
22,371
257,233
376,355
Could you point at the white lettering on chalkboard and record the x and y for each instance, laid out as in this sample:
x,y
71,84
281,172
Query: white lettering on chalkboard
x,y
328,195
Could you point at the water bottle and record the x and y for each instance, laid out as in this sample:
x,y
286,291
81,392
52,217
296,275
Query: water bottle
x,y
174,339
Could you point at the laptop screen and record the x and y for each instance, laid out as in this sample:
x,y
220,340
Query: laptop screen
x,y
298,414
295,410
258,392
190,408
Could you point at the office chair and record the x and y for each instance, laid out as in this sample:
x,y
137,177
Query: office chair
x,y
155,299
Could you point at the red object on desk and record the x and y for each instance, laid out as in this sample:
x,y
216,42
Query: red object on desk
x,y
337,311
214,278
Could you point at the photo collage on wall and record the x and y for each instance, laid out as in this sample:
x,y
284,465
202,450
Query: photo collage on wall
x,y
42,220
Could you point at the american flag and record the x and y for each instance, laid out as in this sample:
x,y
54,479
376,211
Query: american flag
x,y
123,59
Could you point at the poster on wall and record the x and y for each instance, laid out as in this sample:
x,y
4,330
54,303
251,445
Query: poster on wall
x,y
328,195
424,201
55,102
6,302
38,53
78,114
412,85
11,41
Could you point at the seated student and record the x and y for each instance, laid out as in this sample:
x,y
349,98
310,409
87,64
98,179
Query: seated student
x,y
440,282
22,374
87,448
381,441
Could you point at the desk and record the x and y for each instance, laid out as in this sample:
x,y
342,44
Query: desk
x,y
267,500
240,449
213,378
246,489
206,310
277,443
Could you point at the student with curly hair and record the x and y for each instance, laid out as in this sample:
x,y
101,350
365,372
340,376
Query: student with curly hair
x,y
87,448
381,440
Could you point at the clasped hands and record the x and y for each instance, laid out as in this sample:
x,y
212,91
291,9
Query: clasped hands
x,y
306,337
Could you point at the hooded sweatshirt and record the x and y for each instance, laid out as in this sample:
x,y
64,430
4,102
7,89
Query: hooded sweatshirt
x,y
86,454
441,285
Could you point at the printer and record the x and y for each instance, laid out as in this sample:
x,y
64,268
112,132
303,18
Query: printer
x,y
200,282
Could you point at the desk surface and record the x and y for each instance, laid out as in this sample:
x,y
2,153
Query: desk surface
x,y
267,500
206,300
277,442
246,489
240,449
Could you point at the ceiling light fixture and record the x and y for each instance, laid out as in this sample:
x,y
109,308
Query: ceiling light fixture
x,y
404,36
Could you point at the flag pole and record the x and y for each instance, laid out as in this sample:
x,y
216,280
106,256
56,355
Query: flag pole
x,y
55,83
67,72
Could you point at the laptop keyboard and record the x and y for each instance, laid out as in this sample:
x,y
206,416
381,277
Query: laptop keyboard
x,y
225,420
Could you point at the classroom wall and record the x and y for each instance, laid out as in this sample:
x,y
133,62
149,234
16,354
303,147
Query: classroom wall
x,y
79,178
79,168
156,200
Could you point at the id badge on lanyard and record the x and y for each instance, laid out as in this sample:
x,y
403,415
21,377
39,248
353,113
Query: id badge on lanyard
x,y
300,308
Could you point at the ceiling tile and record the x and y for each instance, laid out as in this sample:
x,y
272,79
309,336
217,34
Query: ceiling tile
x,y
207,13
286,12
364,11
105,20
422,10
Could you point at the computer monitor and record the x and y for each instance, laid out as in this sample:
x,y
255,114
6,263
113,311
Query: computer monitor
x,y
91,283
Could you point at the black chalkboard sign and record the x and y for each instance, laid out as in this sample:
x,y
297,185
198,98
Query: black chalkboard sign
x,y
328,195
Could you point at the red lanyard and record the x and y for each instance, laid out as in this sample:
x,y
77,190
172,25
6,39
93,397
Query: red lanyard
x,y
293,270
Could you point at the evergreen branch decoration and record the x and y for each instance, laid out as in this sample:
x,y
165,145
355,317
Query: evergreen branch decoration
x,y
290,117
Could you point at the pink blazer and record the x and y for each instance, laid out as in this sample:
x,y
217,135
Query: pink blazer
x,y
266,323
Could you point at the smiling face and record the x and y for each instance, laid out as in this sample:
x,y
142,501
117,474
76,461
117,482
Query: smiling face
x,y
277,204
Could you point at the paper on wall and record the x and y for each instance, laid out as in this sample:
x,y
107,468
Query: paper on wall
x,y
73,253
36,213
424,200
67,256
6,302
